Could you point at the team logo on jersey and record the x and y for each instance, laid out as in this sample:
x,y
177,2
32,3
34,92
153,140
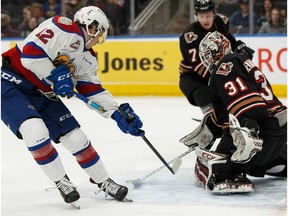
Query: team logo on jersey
x,y
225,68
65,21
190,37
64,58
75,45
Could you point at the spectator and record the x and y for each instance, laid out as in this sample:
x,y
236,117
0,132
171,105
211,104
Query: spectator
x,y
37,12
32,24
283,14
239,21
68,10
98,3
117,14
7,30
265,16
275,24
26,15
76,4
102,4
51,8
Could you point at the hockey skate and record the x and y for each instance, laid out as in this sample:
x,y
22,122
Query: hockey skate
x,y
240,184
68,191
119,192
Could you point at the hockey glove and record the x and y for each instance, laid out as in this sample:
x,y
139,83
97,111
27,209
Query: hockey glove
x,y
128,121
204,135
63,85
243,49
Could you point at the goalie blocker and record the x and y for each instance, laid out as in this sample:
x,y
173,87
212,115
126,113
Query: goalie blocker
x,y
204,135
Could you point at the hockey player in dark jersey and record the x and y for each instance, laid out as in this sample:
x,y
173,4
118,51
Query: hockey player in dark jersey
x,y
194,75
256,146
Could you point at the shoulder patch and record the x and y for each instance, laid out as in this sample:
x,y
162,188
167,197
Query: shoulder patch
x,y
65,21
225,68
67,25
224,18
190,37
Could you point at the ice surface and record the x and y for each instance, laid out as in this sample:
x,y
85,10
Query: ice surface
x,y
166,119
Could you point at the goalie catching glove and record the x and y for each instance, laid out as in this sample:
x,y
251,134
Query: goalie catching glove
x,y
128,121
245,139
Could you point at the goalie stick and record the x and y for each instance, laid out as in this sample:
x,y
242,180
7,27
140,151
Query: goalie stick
x,y
137,182
177,162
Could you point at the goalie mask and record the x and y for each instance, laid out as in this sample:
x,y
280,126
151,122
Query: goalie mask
x,y
93,17
213,47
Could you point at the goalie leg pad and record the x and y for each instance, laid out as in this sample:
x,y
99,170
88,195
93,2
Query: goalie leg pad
x,y
202,171
214,172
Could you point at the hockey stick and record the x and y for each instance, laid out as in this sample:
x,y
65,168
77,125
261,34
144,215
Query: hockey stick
x,y
177,161
172,169
91,103
139,181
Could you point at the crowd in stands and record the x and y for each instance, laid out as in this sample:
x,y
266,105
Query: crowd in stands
x,y
20,17
269,19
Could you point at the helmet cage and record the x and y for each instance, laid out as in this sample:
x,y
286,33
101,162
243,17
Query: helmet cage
x,y
90,17
99,29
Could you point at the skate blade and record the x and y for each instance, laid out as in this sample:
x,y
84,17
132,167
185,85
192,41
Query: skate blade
x,y
127,199
75,204
108,197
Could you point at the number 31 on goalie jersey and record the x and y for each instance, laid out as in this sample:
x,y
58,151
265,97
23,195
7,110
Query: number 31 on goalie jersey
x,y
233,87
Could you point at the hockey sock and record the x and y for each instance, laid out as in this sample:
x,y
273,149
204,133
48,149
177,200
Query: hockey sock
x,y
77,143
36,137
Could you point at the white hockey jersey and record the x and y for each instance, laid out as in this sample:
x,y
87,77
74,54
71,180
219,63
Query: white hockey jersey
x,y
59,40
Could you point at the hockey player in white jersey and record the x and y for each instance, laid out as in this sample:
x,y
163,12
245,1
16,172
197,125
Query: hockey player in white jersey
x,y
59,54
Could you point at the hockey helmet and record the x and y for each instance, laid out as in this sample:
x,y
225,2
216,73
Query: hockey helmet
x,y
213,47
204,6
93,16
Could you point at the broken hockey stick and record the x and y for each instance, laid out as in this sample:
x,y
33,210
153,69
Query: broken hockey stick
x,y
91,103
137,182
